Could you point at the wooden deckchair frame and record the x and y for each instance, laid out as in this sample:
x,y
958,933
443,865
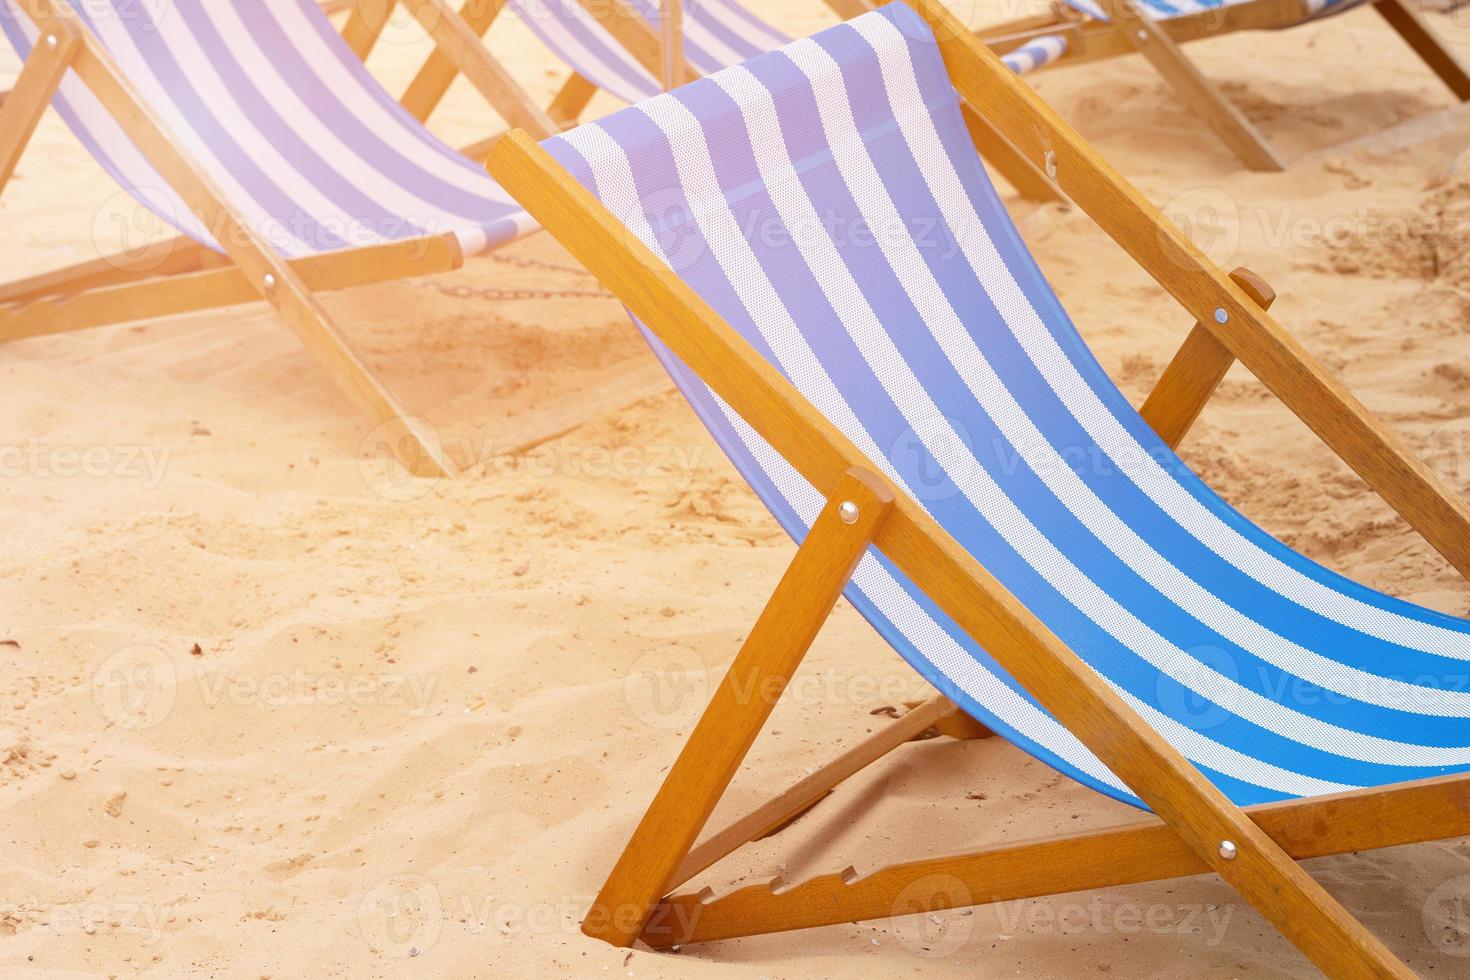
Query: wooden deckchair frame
x,y
660,52
1130,31
181,276
1196,828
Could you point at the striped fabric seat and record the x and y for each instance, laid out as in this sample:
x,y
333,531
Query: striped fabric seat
x,y
827,201
1166,9
717,34
304,143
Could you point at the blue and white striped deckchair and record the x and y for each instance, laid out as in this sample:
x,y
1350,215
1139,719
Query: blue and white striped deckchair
x,y
252,129
813,250
1089,30
616,46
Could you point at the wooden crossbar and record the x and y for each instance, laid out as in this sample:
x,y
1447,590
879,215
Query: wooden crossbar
x,y
1144,851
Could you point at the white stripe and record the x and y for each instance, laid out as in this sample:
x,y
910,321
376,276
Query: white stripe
x,y
913,401
1109,434
115,37
588,62
695,170
204,78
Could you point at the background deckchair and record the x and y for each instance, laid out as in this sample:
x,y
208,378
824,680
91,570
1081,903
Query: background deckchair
x,y
1089,30
254,130
633,49
1038,552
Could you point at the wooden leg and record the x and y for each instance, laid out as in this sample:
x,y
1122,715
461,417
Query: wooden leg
x,y
1153,41
1411,27
37,82
1196,371
365,25
760,672
460,44
267,272
570,101
433,79
671,44
1144,851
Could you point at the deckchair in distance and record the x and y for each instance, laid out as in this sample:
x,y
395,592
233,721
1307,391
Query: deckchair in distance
x,y
1080,31
813,250
633,49
252,129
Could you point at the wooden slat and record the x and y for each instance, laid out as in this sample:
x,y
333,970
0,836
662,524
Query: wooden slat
x,y
570,101
1028,180
1154,42
426,90
251,254
461,45
808,792
1411,27
671,44
1054,674
158,259
153,297
1196,371
803,600
27,102
1145,851
1256,340
365,25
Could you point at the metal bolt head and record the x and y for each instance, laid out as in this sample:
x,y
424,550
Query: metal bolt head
x,y
848,511
1227,850
269,281
1221,316
1142,34
51,41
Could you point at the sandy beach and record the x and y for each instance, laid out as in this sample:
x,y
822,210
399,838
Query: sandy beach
x,y
269,709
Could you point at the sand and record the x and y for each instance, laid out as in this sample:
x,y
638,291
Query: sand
x,y
266,711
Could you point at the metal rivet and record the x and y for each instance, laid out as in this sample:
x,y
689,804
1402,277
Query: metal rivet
x,y
269,280
51,41
848,511
1221,316
1227,850
1142,35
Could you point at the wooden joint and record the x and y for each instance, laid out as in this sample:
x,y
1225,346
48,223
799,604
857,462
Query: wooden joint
x,y
1197,369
